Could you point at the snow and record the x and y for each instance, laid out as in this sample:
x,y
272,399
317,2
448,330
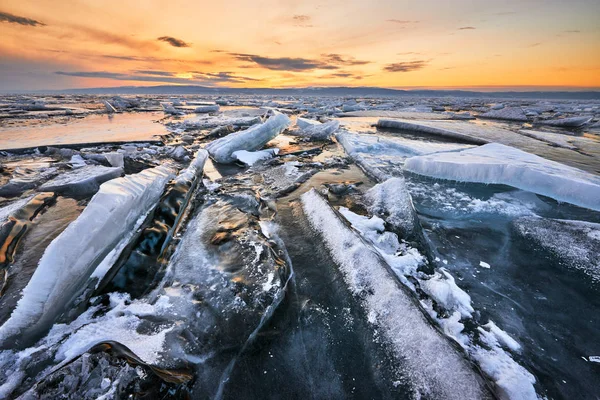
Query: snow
x,y
498,164
252,157
251,139
72,257
392,201
483,264
443,289
433,367
82,180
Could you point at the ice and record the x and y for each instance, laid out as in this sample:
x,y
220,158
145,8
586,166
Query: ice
x,y
8,210
252,157
204,122
254,138
506,113
318,131
502,337
73,256
193,170
114,159
206,109
304,123
498,164
576,243
443,289
556,139
391,201
573,122
285,178
434,368
169,109
421,126
82,180
382,157
483,264
109,108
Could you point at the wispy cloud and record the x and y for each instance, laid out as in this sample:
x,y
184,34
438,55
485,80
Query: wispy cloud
x,y
338,59
284,63
407,66
402,21
302,21
173,41
466,28
15,19
162,76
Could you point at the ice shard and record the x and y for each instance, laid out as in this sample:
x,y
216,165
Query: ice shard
x,y
82,180
254,138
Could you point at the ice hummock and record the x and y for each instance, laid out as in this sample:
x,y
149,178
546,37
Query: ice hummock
x,y
254,138
316,131
434,368
498,164
72,257
391,200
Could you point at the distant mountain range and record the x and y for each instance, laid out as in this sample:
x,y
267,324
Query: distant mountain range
x,y
329,91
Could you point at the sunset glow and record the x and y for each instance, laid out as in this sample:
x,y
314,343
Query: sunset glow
x,y
268,43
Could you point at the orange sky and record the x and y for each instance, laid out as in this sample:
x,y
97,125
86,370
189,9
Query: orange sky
x,y
280,43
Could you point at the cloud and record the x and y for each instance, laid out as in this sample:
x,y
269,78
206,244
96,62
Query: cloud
x,y
15,19
407,66
409,53
162,76
114,38
340,60
173,41
343,75
302,21
466,28
535,44
573,31
402,21
284,63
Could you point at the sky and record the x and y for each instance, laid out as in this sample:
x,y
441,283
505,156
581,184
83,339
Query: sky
x,y
471,44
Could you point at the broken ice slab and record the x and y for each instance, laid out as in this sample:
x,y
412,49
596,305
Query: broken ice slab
x,y
254,138
498,164
213,122
81,181
206,109
506,113
575,243
109,108
317,131
252,157
69,261
391,201
422,126
169,109
113,159
433,367
555,139
572,122
304,123
395,114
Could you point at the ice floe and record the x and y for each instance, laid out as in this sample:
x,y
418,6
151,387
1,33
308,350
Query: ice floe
x,y
498,164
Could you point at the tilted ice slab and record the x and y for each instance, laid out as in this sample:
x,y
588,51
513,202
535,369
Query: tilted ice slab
x,y
304,123
382,157
82,180
509,114
572,122
433,367
250,139
207,109
555,139
498,164
195,168
318,131
213,122
423,126
391,201
576,243
394,114
72,257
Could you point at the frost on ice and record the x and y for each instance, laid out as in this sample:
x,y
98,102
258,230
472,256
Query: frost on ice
x,y
72,257
498,164
254,138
